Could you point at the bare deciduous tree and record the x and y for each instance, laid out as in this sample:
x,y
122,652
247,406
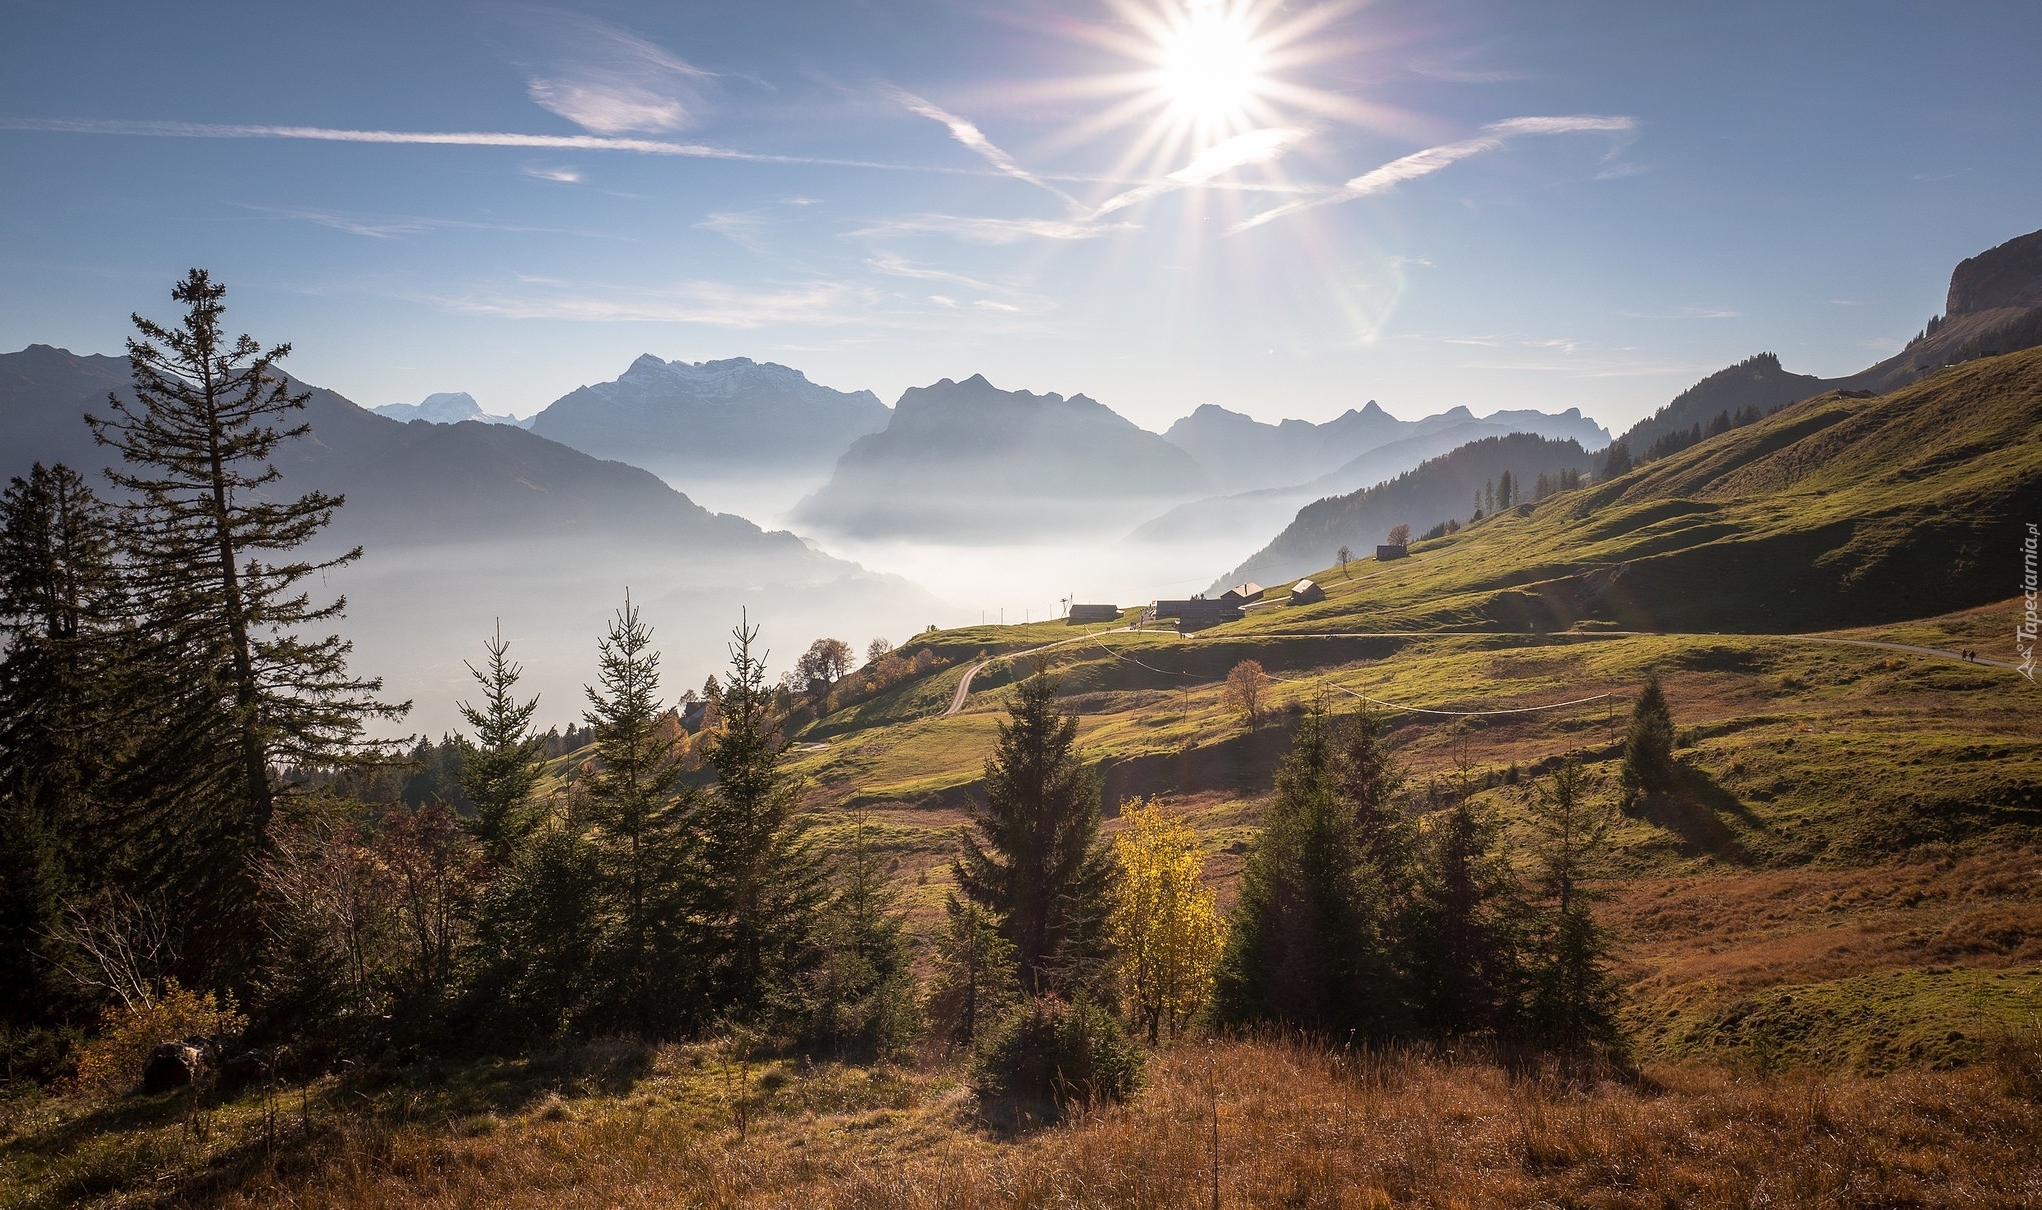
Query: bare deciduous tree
x,y
118,944
1400,534
1248,690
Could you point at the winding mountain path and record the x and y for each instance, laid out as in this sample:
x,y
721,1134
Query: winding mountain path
x,y
964,684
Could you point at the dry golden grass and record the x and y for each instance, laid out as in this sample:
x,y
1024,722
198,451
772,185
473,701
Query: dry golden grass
x,y
1297,1126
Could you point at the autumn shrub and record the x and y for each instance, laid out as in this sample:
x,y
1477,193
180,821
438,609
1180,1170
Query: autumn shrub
x,y
111,1063
1167,929
2015,1057
1057,1055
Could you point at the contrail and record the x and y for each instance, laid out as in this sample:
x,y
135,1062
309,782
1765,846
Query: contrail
x,y
557,142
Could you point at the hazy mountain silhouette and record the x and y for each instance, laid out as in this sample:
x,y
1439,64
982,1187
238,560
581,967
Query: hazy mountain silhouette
x,y
966,459
445,407
1439,489
1241,453
713,419
467,522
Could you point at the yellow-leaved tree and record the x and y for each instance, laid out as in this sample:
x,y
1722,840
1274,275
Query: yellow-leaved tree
x,y
1167,926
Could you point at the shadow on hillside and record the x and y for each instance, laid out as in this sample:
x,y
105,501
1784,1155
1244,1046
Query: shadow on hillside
x,y
1698,811
1242,763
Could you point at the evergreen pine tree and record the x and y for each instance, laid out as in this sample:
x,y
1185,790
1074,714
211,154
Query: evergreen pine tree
x,y
500,766
546,916
1616,460
975,981
1033,857
1573,998
864,986
1306,945
59,718
1466,923
242,692
1648,744
641,821
760,889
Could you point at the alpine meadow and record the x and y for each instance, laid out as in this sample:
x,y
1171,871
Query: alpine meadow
x,y
1606,772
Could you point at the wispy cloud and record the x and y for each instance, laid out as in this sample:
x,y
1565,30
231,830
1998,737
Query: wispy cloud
x,y
823,303
558,142
1556,344
967,132
713,304
399,225
1254,147
552,172
602,78
740,227
993,230
899,266
1493,137
1683,313
1569,356
1005,298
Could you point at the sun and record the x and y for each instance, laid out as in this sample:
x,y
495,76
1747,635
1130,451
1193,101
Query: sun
x,y
1210,65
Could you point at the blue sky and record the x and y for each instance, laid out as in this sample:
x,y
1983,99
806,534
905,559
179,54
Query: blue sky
x,y
1286,209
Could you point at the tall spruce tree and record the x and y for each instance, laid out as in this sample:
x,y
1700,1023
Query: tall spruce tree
x,y
60,725
864,985
1573,998
641,818
544,919
759,888
1033,858
1467,923
500,765
243,691
1307,944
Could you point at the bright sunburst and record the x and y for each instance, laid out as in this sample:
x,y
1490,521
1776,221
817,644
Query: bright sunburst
x,y
1210,64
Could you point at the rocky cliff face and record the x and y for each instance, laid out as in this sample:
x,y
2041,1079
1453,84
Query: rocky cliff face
x,y
2007,276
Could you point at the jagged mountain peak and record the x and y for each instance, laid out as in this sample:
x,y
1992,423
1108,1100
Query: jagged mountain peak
x,y
718,419
443,407
967,459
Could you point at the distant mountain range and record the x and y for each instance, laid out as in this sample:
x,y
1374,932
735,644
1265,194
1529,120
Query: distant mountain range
x,y
713,419
1244,518
446,407
1242,454
966,460
467,522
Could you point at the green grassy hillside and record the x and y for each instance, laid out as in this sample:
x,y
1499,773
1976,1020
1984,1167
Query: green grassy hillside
x,y
1837,511
1823,762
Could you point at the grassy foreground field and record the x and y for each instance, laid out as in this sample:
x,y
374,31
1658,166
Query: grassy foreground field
x,y
1255,1123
